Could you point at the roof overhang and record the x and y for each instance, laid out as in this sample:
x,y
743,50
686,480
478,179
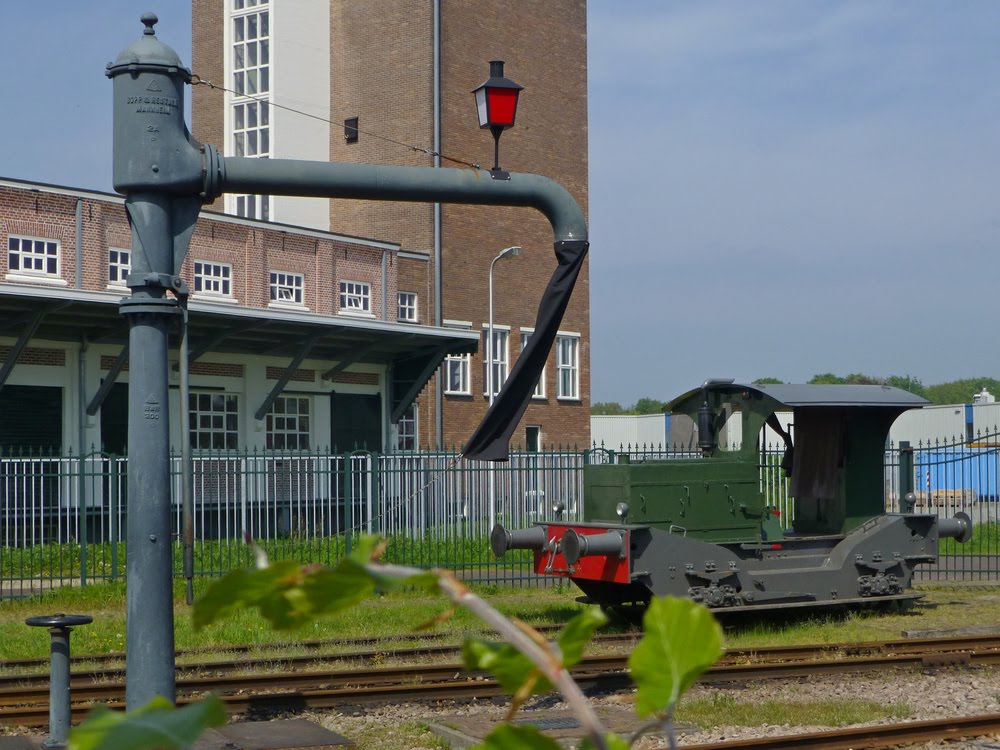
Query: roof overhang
x,y
413,352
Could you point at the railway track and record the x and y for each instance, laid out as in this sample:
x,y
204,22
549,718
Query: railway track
x,y
26,703
949,649
883,735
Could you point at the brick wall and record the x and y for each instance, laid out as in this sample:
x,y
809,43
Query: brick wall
x,y
382,72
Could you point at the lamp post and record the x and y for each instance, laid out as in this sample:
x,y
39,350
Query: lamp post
x,y
496,104
507,252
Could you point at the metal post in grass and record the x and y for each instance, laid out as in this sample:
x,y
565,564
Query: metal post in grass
x,y
59,626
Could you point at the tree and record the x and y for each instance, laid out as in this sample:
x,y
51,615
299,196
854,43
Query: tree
x,y
826,378
606,408
907,383
767,381
648,405
961,391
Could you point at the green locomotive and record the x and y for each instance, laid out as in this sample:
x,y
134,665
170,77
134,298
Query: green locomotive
x,y
703,527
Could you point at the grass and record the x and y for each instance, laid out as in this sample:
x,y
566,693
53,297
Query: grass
x,y
106,561
706,712
398,613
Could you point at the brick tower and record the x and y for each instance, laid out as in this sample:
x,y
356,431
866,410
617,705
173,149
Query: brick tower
x,y
405,71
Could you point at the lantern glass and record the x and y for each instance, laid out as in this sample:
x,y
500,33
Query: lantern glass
x,y
484,116
502,105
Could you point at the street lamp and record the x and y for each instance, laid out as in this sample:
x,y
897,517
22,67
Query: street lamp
x,y
507,252
496,103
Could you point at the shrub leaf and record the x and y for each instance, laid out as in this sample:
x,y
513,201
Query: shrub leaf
x,y
681,640
157,724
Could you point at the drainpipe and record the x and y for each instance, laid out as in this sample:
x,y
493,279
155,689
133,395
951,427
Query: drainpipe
x,y
81,431
79,247
438,317
385,289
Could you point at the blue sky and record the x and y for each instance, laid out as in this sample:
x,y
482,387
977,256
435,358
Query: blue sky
x,y
777,188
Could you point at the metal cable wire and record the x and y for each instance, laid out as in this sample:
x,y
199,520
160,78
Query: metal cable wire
x,y
197,80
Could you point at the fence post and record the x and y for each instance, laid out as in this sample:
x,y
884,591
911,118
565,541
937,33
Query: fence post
x,y
348,502
905,481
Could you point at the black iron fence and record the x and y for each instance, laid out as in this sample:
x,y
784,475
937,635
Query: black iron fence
x,y
63,519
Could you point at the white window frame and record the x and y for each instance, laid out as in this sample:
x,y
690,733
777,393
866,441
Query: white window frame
x,y
209,421
34,251
355,297
406,307
460,365
539,392
568,366
407,429
284,424
250,59
220,285
500,354
286,289
119,265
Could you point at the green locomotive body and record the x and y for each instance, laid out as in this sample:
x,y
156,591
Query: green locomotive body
x,y
704,526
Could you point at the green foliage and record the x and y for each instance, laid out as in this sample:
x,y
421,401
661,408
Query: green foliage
x,y
681,640
961,391
645,405
648,406
606,408
767,381
826,378
157,724
510,737
290,595
515,672
907,383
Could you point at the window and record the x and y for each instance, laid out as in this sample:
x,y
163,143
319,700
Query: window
x,y
456,375
500,359
287,423
351,130
213,278
539,391
214,420
355,297
286,288
568,365
251,79
532,438
32,256
251,131
251,49
407,307
406,429
119,264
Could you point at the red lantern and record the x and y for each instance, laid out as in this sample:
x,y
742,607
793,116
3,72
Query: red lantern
x,y
496,102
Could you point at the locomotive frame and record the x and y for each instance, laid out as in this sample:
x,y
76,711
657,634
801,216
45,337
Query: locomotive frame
x,y
702,527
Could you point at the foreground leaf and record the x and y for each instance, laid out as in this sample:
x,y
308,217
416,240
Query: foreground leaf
x,y
512,669
578,633
515,672
511,737
681,640
157,724
612,741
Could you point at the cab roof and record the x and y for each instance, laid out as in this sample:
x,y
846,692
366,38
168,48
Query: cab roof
x,y
805,395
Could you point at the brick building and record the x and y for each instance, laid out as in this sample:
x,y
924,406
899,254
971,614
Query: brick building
x,y
296,338
361,81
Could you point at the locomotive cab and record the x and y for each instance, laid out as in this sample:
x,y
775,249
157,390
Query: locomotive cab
x,y
734,524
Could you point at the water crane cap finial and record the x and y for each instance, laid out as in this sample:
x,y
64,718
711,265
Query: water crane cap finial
x,y
149,20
